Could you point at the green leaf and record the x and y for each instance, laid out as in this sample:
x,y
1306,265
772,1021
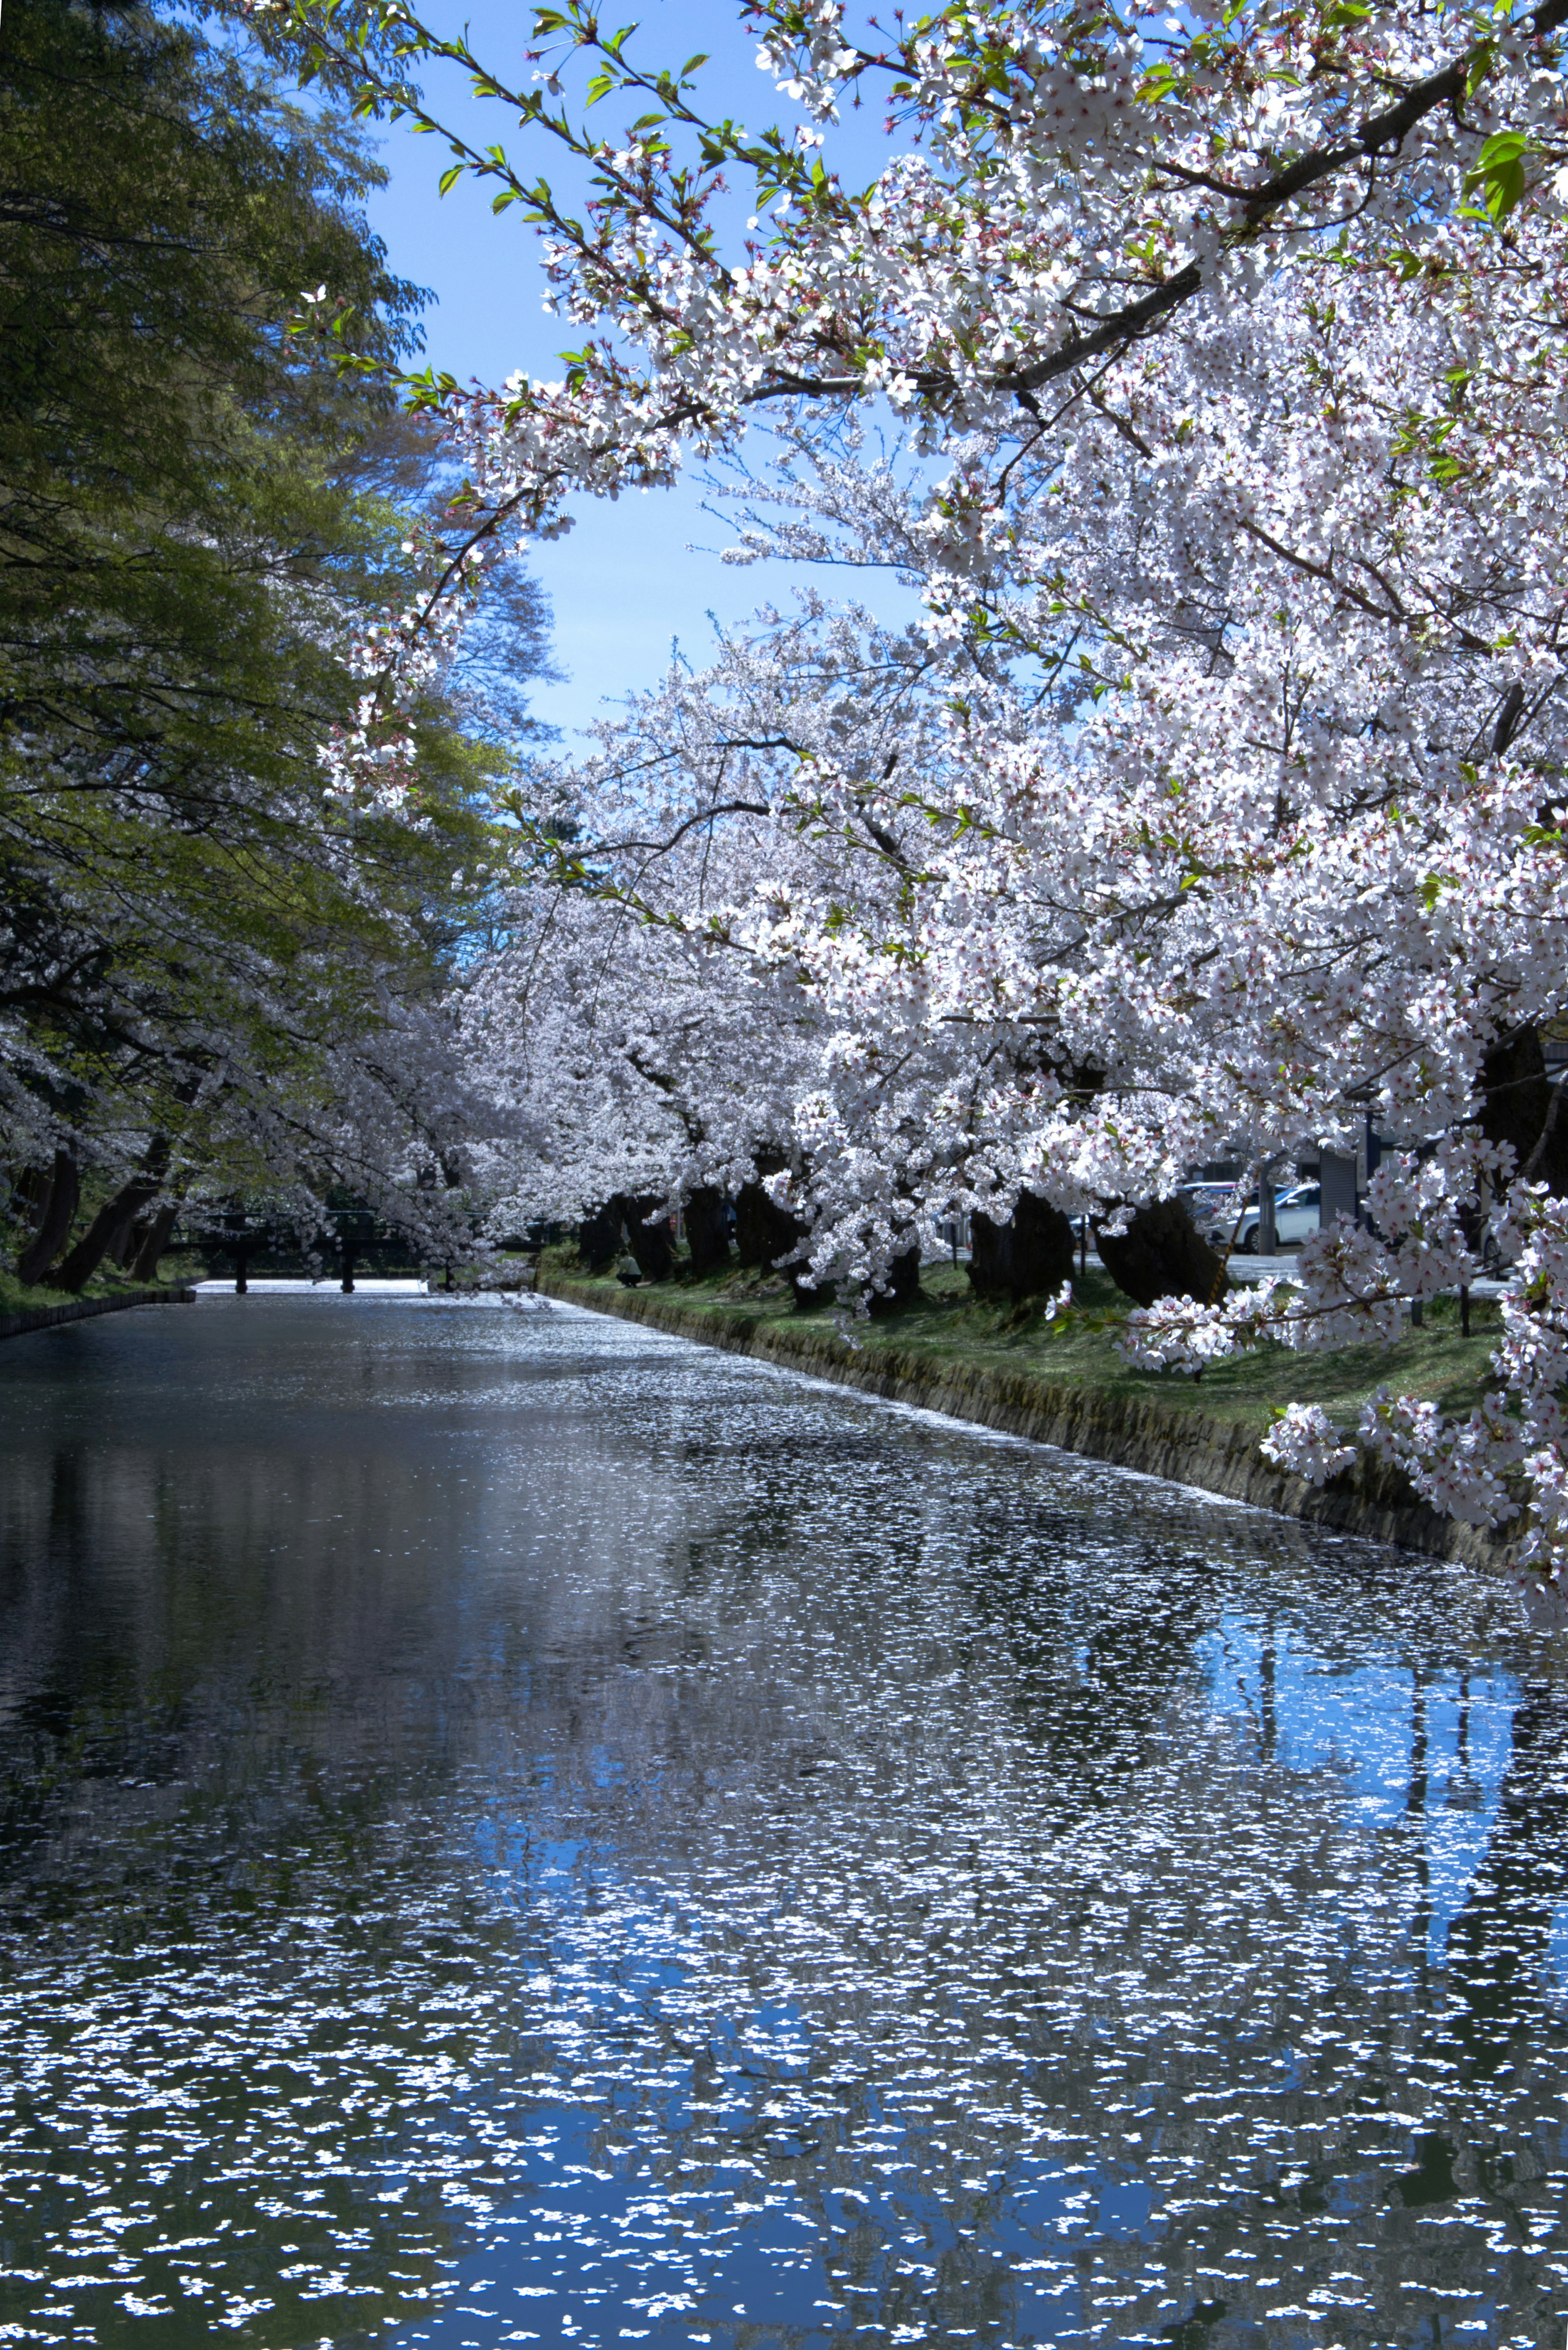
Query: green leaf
x,y
1499,173
1480,64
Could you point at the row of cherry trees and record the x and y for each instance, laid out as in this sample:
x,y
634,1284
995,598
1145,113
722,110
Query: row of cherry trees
x,y
1222,375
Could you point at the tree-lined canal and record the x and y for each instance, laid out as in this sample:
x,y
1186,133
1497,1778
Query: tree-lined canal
x,y
518,1829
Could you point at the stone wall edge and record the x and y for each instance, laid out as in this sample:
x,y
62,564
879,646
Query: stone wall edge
x,y
1134,1432
83,1309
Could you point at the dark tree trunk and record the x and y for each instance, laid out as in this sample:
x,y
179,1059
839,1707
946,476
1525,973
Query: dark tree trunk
x,y
649,1244
145,1265
903,1284
112,1227
1028,1256
599,1238
707,1232
31,1189
55,1219
126,1239
113,1220
349,1242
765,1232
1162,1255
1520,1104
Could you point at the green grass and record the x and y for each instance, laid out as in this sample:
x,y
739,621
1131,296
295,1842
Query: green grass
x,y
949,1326
21,1297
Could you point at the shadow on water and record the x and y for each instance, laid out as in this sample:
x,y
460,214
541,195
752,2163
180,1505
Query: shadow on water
x,y
513,1829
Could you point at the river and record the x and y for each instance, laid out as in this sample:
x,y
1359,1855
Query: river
x,y
519,1829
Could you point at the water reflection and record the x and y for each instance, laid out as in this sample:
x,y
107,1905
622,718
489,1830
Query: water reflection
x,y
517,1830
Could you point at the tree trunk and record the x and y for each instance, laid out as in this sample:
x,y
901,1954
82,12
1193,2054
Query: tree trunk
x,y
113,1220
598,1237
649,1244
112,1227
145,1265
903,1285
30,1189
55,1219
1030,1255
1161,1254
764,1233
124,1239
1520,1104
707,1232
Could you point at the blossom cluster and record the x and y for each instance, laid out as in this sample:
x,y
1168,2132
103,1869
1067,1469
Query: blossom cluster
x,y
1210,807
1214,804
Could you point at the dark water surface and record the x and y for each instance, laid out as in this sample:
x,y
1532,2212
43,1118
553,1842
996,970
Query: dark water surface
x,y
515,1829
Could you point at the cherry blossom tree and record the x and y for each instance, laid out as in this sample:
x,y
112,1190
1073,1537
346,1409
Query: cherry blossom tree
x,y
1224,840
1075,182
1218,791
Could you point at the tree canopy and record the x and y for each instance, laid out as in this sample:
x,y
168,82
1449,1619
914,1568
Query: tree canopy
x,y
1215,799
203,528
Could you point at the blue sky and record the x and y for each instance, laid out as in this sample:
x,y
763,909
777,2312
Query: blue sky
x,y
626,580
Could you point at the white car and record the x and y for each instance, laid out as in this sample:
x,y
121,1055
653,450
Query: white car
x,y
1296,1213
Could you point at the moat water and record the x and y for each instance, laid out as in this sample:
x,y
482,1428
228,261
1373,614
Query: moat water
x,y
515,1829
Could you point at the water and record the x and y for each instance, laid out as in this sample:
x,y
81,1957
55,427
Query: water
x,y
515,1829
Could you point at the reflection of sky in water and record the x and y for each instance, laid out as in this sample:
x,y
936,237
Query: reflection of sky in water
x,y
727,2254
1359,1721
516,1830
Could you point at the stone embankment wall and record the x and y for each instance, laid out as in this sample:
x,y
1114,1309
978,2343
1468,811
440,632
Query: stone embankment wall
x,y
1163,1439
82,1309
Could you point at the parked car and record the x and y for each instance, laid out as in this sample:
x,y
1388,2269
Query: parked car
x,y
1206,1202
1296,1213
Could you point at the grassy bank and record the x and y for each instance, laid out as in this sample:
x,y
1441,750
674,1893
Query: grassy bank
x,y
951,1329
25,1297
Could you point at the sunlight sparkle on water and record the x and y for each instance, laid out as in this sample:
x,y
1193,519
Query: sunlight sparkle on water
x,y
516,1829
